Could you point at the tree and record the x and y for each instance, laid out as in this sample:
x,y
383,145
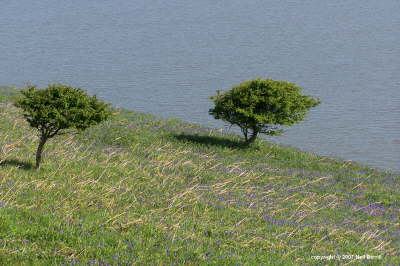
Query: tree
x,y
258,106
59,107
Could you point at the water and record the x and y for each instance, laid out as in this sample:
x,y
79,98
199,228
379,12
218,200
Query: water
x,y
168,57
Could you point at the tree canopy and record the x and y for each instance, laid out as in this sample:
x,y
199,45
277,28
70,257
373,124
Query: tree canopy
x,y
261,105
59,107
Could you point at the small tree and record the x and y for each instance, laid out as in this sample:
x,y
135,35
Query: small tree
x,y
59,107
257,106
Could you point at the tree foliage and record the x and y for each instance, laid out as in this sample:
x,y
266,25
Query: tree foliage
x,y
258,106
57,108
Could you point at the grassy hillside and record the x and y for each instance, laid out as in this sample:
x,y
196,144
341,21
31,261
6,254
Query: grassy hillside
x,y
138,190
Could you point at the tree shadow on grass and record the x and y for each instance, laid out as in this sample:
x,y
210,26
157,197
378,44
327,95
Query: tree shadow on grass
x,y
17,163
212,140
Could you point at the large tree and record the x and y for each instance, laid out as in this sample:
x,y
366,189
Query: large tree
x,y
57,108
261,105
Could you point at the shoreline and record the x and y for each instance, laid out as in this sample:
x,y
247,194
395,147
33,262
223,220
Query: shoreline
x,y
8,94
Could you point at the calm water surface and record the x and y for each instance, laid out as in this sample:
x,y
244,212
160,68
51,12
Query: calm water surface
x,y
168,57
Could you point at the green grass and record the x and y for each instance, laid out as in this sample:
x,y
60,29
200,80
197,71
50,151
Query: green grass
x,y
139,190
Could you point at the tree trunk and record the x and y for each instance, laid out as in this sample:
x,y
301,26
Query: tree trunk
x,y
39,151
252,137
245,133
